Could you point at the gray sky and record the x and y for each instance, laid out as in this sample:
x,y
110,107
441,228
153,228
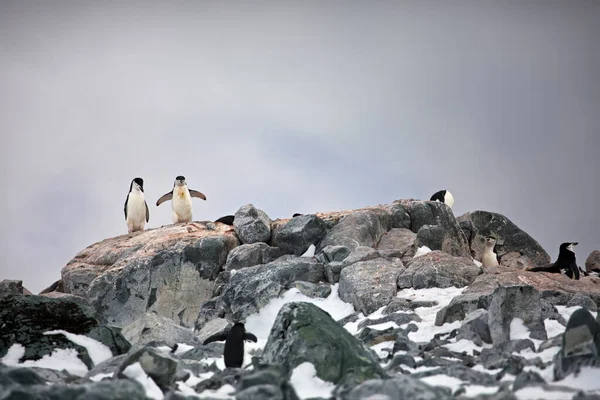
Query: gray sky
x,y
295,107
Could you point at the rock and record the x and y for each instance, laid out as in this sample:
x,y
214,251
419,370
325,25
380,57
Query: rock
x,y
475,328
370,285
593,261
153,328
515,259
113,390
25,319
249,255
360,228
296,236
169,271
582,300
580,345
336,253
160,367
313,290
438,269
266,392
398,242
251,288
252,225
460,306
400,387
526,379
302,332
437,238
212,327
398,318
405,305
66,296
360,253
333,270
508,234
10,287
208,312
511,302
57,286
270,383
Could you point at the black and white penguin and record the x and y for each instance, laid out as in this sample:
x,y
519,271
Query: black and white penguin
x,y
234,344
443,196
227,219
182,200
489,257
136,209
566,262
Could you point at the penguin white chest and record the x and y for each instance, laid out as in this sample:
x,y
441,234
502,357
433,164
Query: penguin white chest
x,y
182,205
136,211
489,258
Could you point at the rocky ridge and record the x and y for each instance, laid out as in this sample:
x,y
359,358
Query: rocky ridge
x,y
392,303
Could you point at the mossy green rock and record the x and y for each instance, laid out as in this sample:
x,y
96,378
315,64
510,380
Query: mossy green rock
x,y
302,332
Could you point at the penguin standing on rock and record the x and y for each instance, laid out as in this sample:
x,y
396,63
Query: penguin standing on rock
x,y
234,344
443,196
136,209
489,258
181,197
565,263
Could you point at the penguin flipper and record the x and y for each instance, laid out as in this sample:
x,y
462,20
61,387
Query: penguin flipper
x,y
249,336
575,270
549,268
164,197
217,337
147,212
125,208
195,193
227,220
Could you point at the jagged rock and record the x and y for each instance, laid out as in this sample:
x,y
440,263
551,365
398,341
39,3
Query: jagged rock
x,y
406,305
398,318
399,360
511,302
334,269
400,387
360,228
398,242
475,328
26,318
160,367
168,270
57,286
212,327
527,378
296,236
582,300
508,234
460,306
229,376
515,259
371,337
313,290
17,377
266,392
302,332
208,311
154,328
251,288
369,285
252,225
268,382
249,255
11,287
67,296
455,370
438,269
593,261
436,237
114,390
336,253
580,345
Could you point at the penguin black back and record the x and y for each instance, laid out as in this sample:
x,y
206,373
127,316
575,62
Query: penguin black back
x,y
438,196
566,262
234,344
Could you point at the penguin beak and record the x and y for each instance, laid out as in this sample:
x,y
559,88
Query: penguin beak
x,y
574,244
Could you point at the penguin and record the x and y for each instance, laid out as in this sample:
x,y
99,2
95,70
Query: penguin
x,y
565,263
489,258
234,344
182,200
297,215
443,196
227,219
136,209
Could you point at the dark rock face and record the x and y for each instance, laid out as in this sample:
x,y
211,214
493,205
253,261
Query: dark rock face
x,y
360,228
398,242
438,269
154,328
593,261
251,288
296,236
511,236
369,285
336,253
400,387
313,290
11,287
249,255
476,328
252,225
302,332
26,318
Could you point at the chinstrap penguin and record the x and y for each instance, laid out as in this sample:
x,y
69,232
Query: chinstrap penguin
x,y
443,196
136,209
227,219
181,198
234,344
565,263
489,258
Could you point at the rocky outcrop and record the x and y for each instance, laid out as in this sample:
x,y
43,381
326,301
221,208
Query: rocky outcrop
x,y
360,228
296,236
509,236
12,287
252,225
438,269
249,255
401,387
397,242
593,261
169,271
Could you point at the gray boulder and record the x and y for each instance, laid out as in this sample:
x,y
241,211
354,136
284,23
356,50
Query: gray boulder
x,y
10,287
249,289
113,390
400,387
475,328
296,236
359,228
438,269
313,290
154,328
512,238
336,253
252,225
398,242
249,255
160,367
593,261
369,285
361,253
460,306
302,332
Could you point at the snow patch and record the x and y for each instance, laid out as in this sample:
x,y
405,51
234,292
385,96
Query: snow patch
x,y
422,251
14,354
97,351
135,371
310,252
99,377
307,384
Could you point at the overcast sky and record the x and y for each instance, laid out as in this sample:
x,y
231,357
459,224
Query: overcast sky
x,y
294,107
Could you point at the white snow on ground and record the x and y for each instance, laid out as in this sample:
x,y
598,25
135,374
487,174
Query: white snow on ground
x,y
566,312
59,359
224,392
455,384
310,252
135,371
478,263
14,354
97,351
537,393
307,384
553,328
182,348
422,251
99,377
465,345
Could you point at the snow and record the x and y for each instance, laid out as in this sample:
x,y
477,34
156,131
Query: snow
x,y
478,263
307,384
422,251
224,392
310,252
533,393
60,359
135,371
455,384
518,330
97,351
182,348
14,354
466,345
99,377
553,328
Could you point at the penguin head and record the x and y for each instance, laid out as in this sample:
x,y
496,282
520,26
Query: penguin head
x,y
568,246
180,181
137,184
490,241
